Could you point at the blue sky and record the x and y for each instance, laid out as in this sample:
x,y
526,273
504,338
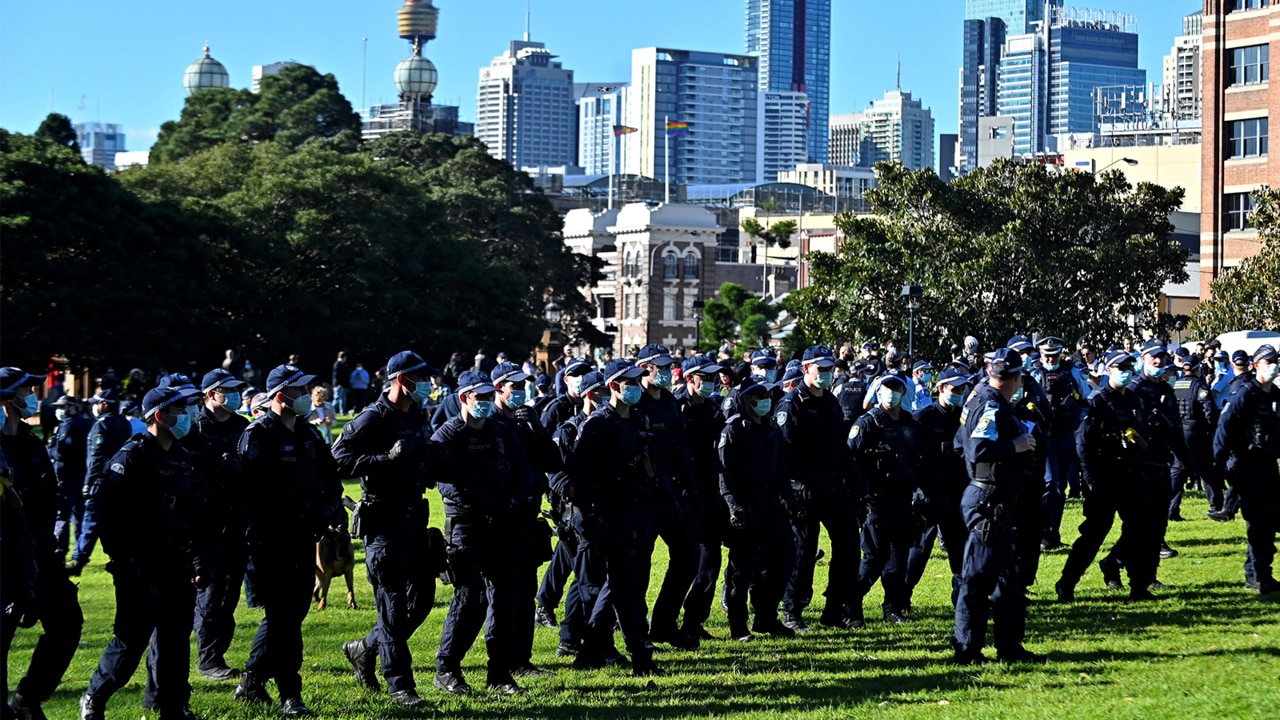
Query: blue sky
x,y
123,61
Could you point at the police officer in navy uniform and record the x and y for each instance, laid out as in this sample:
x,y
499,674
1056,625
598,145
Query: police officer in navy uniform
x,y
1247,446
109,433
852,394
702,425
216,431
485,481
945,478
152,516
18,591
756,493
990,586
677,511
1199,415
35,486
567,404
1112,446
1067,391
293,493
1032,408
612,482
815,455
69,451
387,446
884,445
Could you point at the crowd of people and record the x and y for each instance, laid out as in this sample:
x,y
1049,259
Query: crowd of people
x,y
750,451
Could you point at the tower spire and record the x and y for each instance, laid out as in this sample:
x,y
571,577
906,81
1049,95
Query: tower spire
x,y
528,11
899,72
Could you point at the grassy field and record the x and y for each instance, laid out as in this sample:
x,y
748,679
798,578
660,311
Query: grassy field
x,y
1209,648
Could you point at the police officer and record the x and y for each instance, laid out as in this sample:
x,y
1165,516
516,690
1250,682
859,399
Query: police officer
x,y
1199,415
289,476
756,493
52,597
852,394
943,474
485,482
1247,445
989,584
921,375
814,453
1112,446
764,366
215,434
612,483
69,452
677,511
1031,407
884,446
151,514
109,433
1066,390
386,446
569,403
702,423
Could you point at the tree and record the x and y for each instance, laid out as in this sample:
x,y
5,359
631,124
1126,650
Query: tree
x,y
1008,248
208,119
739,315
1244,297
778,234
57,129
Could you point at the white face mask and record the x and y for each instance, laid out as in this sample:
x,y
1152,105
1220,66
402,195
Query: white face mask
x,y
574,383
889,397
1268,372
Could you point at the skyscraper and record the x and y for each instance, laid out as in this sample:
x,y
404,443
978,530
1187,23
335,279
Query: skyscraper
x,y
715,94
1182,69
783,133
601,108
896,128
99,143
524,109
845,137
1018,16
792,39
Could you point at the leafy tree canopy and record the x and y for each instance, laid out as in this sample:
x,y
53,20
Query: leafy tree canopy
x,y
1244,297
738,315
57,129
1008,248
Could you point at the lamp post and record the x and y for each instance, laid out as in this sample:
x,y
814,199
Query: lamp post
x,y
1127,161
912,293
551,335
698,306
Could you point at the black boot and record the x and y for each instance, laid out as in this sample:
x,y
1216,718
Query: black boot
x,y
252,689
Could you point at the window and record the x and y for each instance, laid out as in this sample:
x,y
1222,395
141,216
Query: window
x,y
635,309
626,306
1248,4
668,306
670,267
690,267
1238,207
1250,65
1247,138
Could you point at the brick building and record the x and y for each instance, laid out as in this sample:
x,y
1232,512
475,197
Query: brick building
x,y
1238,99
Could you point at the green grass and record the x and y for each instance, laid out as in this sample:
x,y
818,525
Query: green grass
x,y
1209,648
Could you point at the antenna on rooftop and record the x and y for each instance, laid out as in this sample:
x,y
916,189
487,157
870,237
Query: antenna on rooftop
x,y
528,11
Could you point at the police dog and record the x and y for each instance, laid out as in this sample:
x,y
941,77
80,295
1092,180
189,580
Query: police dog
x,y
335,556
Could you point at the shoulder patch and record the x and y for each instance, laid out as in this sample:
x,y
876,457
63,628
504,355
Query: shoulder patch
x,y
117,468
986,428
853,431
251,450
782,418
1203,394
98,439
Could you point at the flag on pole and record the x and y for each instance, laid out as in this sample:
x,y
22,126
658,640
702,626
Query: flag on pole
x,y
620,130
677,128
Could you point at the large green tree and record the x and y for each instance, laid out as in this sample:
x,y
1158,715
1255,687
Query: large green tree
x,y
1010,248
738,315
1244,297
57,129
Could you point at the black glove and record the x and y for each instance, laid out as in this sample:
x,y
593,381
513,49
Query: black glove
x,y
407,448
231,463
739,517
525,414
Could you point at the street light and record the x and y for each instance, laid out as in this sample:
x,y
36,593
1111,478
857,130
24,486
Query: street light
x,y
698,305
1127,161
552,313
912,293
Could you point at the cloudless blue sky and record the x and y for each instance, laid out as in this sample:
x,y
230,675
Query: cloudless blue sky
x,y
123,61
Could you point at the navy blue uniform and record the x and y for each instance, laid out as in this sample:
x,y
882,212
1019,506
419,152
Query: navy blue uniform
x,y
152,518
1199,415
69,452
1066,392
573,627
852,395
1029,511
109,433
291,493
990,586
33,483
1247,445
762,546
944,478
485,481
884,453
559,411
1109,445
815,457
394,517
702,424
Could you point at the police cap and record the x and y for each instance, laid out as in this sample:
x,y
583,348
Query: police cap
x,y
792,374
166,395
476,381
408,362
622,369
750,385
819,355
953,376
283,376
1119,358
922,365
508,372
700,364
656,354
105,396
1021,343
764,358
12,378
220,378
1154,348
591,382
1004,363
576,367
1265,352
66,400
1051,345
889,381
1239,357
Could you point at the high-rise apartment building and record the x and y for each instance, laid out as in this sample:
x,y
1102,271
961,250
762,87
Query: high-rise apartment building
x,y
784,133
1182,76
525,112
896,128
1238,100
792,39
261,71
715,94
602,107
845,136
99,143
986,25
1047,79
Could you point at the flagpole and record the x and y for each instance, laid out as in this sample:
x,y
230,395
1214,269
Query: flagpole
x,y
666,160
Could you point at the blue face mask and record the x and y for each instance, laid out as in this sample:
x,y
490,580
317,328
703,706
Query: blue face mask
x,y
889,397
706,389
482,409
1222,368
955,399
231,401
1153,371
183,426
926,378
61,414
1123,377
517,398
825,378
663,379
30,407
4,416
770,375
762,406
631,394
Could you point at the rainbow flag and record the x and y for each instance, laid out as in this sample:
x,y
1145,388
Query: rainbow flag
x,y
677,128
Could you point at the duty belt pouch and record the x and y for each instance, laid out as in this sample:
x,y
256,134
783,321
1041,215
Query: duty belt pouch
x,y
437,555
447,574
357,521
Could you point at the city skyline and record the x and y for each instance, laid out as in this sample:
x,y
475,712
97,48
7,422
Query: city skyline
x,y
138,84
